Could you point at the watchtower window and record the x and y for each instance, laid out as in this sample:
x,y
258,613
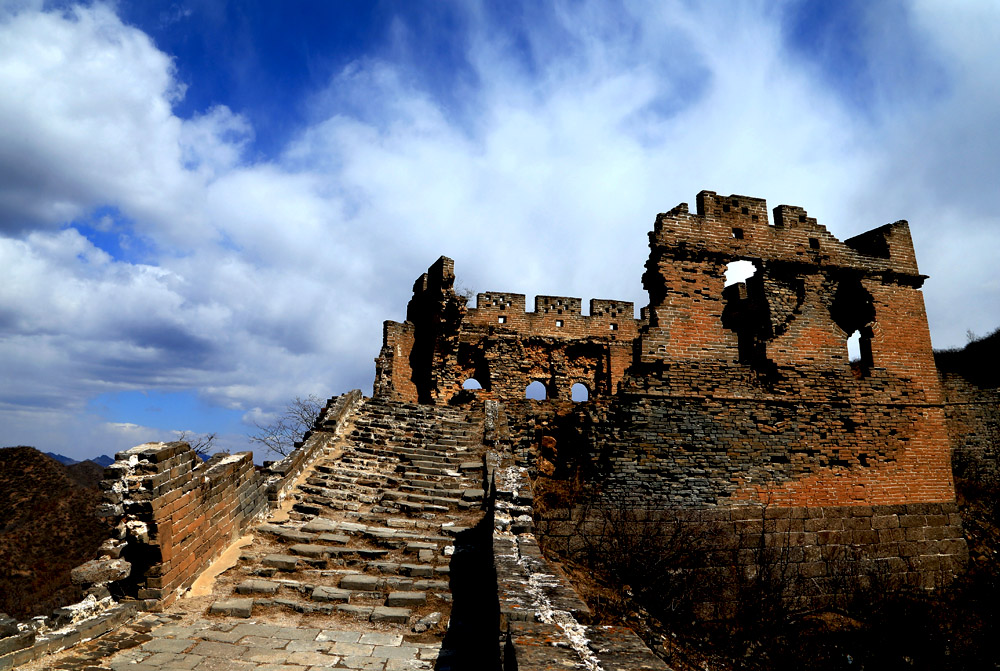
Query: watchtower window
x,y
536,391
502,319
580,393
859,351
613,327
739,271
746,311
471,383
853,310
813,243
738,233
559,323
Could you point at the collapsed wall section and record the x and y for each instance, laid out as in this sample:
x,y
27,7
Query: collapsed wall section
x,y
444,344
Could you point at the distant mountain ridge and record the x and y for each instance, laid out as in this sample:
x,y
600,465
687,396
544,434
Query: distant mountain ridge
x,y
103,460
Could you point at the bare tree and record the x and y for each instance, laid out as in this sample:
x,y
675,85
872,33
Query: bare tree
x,y
281,435
203,444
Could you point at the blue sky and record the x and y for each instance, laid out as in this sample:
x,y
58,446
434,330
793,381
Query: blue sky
x,y
208,208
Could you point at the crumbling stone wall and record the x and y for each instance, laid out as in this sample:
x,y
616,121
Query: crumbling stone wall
x,y
444,343
173,514
751,386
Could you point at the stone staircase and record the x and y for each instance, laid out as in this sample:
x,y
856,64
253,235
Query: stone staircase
x,y
372,530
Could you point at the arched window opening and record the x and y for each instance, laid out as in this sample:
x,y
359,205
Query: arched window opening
x,y
536,391
471,383
580,393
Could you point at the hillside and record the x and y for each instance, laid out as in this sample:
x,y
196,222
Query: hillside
x,y
48,525
978,362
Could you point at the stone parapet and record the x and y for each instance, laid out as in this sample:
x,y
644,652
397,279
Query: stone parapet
x,y
281,474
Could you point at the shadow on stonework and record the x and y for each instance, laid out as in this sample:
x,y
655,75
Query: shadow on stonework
x,y
472,641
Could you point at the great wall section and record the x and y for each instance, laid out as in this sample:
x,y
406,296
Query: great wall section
x,y
423,528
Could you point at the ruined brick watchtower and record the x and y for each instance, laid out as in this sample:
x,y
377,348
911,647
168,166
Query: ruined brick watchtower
x,y
721,396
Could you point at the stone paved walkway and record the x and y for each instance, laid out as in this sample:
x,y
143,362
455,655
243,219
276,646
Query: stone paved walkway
x,y
250,646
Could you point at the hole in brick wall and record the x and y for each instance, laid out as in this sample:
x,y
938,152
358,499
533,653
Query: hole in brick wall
x,y
738,233
753,217
612,327
746,312
854,347
859,352
802,218
744,210
739,271
813,243
735,202
580,393
853,310
725,208
501,319
536,391
471,383
559,323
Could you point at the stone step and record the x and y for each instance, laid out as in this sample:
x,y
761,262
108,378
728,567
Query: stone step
x,y
333,551
421,498
406,599
289,534
258,586
408,490
311,503
412,569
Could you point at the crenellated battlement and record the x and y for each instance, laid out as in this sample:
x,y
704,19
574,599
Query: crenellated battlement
x,y
554,316
737,227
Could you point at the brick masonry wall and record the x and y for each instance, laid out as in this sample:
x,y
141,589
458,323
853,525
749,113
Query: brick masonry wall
x,y
178,513
719,398
746,393
973,421
393,374
280,475
816,549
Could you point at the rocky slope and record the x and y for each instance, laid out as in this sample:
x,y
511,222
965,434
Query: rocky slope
x,y
48,525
